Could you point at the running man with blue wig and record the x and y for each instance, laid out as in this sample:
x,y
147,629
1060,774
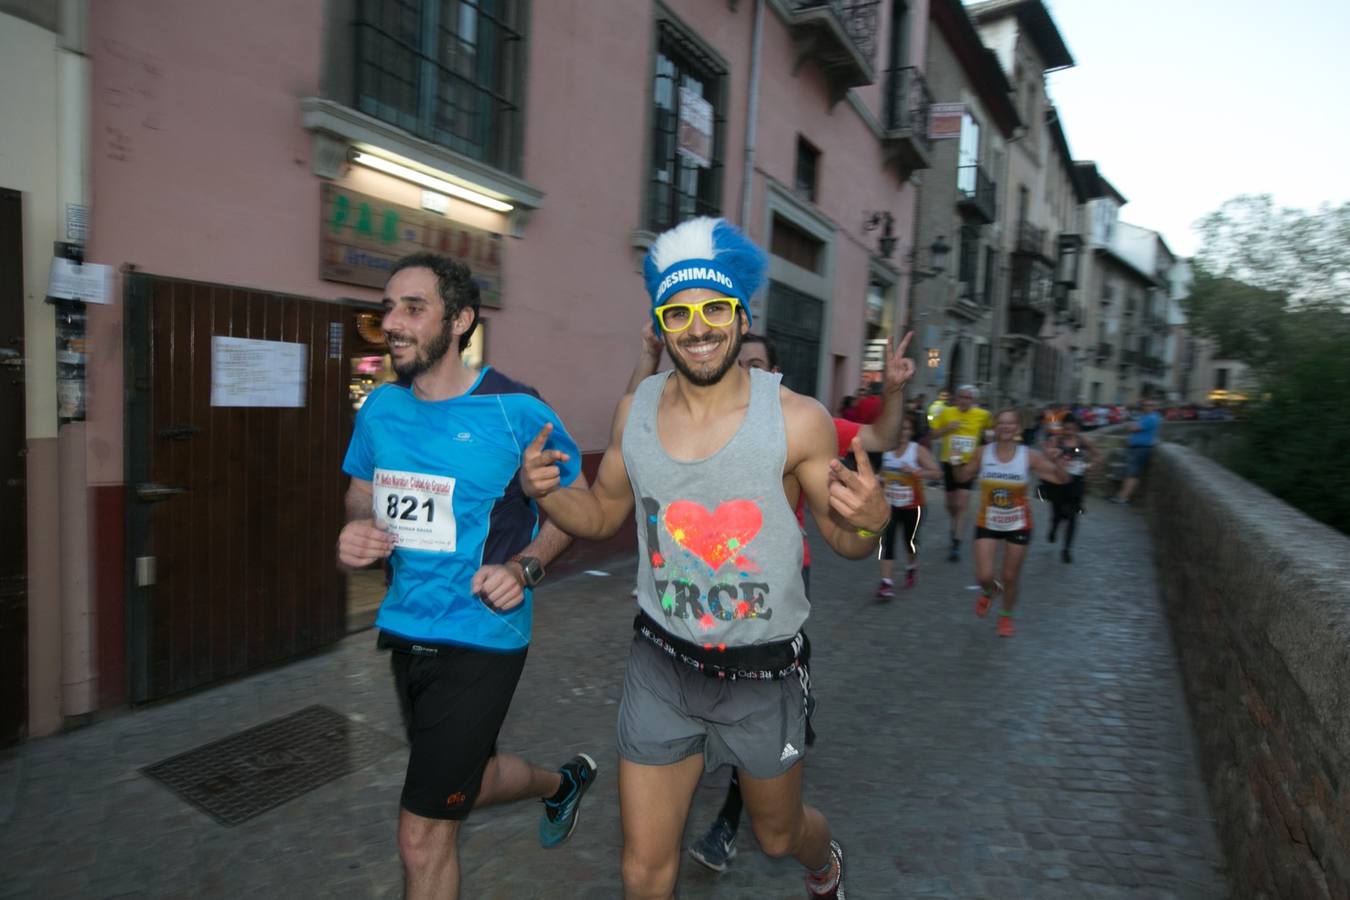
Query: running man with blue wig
x,y
714,456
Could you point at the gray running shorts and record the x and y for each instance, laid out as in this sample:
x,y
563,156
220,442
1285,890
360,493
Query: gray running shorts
x,y
670,711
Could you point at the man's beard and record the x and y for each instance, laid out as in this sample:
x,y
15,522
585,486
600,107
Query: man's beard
x,y
705,379
423,360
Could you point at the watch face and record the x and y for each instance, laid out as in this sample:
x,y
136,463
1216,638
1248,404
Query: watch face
x,y
532,570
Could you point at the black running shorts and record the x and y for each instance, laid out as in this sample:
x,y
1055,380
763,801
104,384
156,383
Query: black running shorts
x,y
453,705
949,479
1012,537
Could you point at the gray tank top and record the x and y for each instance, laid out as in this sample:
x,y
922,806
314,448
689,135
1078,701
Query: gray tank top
x,y
719,549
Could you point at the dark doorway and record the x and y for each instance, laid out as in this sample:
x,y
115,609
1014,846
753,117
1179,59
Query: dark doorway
x,y
794,326
13,478
955,377
232,511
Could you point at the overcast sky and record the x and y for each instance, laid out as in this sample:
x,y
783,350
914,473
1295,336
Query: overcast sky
x,y
1186,103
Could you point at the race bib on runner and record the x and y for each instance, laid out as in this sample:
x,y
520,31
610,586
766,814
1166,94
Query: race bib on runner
x,y
962,446
416,508
898,491
1011,519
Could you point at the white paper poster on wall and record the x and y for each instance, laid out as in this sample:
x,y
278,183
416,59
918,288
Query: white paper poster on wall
x,y
90,283
245,372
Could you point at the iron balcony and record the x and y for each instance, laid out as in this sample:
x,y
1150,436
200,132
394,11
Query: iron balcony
x,y
908,103
840,35
975,192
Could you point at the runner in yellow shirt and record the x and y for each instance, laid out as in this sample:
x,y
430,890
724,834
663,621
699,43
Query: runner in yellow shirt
x,y
962,428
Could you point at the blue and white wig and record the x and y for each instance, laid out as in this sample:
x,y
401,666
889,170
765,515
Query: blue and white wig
x,y
704,253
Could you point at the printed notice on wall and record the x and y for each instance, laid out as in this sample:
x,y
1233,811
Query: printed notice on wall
x,y
91,282
246,372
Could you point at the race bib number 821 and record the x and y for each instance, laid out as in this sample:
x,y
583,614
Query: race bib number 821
x,y
416,508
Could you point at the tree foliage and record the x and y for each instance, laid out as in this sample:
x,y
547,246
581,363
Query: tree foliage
x,y
1272,288
1304,256
1245,322
1293,440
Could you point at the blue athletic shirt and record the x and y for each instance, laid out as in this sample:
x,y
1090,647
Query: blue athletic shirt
x,y
444,478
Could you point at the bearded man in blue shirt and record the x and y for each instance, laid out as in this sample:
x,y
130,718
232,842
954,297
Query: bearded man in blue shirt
x,y
433,462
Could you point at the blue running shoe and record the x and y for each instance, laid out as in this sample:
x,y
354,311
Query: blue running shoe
x,y
560,818
716,848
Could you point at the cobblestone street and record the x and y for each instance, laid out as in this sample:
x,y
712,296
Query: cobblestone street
x,y
951,763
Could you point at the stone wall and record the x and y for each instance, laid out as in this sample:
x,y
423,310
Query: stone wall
x,y
1259,599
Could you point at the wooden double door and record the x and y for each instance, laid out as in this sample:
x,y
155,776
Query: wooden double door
x,y
232,512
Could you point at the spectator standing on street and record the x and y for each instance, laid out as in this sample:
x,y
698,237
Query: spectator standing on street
x,y
1143,437
714,675
433,462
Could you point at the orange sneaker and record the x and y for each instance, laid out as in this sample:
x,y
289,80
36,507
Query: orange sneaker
x,y
982,603
1005,625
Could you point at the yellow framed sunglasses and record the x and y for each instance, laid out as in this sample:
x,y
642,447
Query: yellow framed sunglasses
x,y
716,312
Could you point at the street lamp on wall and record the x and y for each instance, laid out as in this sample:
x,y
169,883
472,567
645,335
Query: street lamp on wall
x,y
938,257
886,222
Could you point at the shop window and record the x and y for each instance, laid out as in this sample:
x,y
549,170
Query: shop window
x,y
688,118
446,70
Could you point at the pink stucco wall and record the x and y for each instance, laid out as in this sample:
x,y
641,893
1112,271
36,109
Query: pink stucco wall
x,y
201,170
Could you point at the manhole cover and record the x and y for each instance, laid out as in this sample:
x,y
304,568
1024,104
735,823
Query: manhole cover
x,y
246,774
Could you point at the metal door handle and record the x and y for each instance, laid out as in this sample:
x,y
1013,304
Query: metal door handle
x,y
153,493
178,432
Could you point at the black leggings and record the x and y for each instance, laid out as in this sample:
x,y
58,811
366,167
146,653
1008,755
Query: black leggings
x,y
1067,502
902,517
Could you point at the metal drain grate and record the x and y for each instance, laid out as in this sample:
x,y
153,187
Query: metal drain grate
x,y
246,774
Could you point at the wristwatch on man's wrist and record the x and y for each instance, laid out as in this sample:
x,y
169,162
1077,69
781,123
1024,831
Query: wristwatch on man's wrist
x,y
531,569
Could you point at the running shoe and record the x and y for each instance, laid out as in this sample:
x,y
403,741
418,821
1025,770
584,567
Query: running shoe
x,y
837,891
1005,625
560,818
983,601
911,578
885,591
716,848
954,554
1120,501
1066,555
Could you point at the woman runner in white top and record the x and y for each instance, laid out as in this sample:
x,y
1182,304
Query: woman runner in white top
x,y
903,472
1004,469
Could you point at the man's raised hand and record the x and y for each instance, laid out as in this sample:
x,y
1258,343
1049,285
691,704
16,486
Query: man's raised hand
x,y
899,367
539,472
857,496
